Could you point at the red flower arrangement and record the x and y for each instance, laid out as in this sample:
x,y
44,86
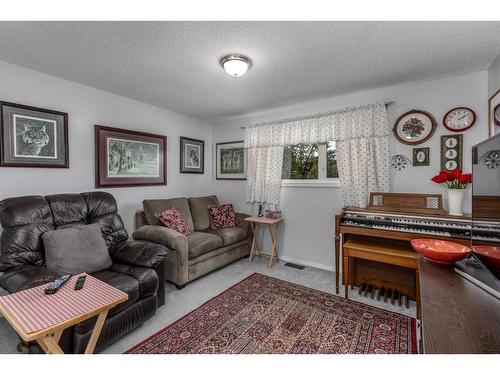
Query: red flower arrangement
x,y
453,180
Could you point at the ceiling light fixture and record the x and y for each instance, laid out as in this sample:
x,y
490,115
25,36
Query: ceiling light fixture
x,y
235,65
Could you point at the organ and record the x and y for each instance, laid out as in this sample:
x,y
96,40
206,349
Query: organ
x,y
393,220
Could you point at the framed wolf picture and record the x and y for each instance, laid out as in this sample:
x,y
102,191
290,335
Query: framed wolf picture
x,y
231,161
192,155
129,158
33,137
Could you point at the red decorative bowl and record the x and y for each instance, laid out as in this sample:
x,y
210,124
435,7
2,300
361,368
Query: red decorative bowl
x,y
438,251
490,255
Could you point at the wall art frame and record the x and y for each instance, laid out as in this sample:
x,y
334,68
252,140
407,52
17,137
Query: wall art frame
x,y
414,127
451,152
33,137
421,156
231,161
191,155
126,158
494,113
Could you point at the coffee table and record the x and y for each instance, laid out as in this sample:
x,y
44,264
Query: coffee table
x,y
255,221
43,318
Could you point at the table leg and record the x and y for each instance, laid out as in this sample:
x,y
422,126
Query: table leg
x,y
96,332
337,262
49,345
346,277
274,242
254,240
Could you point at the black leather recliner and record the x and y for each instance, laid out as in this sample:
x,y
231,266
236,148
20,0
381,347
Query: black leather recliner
x,y
138,266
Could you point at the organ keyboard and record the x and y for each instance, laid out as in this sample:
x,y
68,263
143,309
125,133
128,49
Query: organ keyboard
x,y
398,219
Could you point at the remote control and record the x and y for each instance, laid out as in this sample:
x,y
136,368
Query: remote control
x,y
80,282
55,285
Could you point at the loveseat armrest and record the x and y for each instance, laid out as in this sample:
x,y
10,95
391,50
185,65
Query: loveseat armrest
x,y
138,253
241,222
162,235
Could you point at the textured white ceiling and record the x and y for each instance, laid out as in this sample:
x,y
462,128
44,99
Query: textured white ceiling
x,y
175,64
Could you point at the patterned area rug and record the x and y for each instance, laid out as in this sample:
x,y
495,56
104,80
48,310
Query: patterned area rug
x,y
262,314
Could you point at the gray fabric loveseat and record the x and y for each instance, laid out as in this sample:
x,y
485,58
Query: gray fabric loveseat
x,y
201,251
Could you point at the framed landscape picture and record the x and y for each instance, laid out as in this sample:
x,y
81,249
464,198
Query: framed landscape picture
x,y
33,137
192,155
129,158
231,159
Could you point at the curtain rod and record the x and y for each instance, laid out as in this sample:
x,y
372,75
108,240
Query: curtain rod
x,y
320,114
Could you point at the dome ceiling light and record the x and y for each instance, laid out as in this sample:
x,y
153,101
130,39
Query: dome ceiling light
x,y
235,65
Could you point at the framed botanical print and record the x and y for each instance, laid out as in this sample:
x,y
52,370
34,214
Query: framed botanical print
x,y
231,159
33,137
192,155
494,114
414,127
126,158
421,156
451,152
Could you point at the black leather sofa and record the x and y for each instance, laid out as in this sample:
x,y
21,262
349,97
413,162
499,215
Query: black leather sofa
x,y
138,266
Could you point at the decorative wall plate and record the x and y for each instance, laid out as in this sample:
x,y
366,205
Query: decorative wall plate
x,y
459,119
414,127
492,159
399,162
451,152
421,156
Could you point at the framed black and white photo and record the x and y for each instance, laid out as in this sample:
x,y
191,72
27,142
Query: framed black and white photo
x,y
192,155
231,160
421,156
129,158
33,137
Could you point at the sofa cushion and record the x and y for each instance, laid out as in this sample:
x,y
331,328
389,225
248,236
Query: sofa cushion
x,y
173,219
152,206
229,236
199,210
222,216
200,243
76,249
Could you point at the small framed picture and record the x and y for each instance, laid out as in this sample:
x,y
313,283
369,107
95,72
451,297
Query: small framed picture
x,y
451,152
192,155
33,137
231,159
126,158
494,114
421,156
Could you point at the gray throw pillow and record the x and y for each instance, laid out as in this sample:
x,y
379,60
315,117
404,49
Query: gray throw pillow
x,y
76,249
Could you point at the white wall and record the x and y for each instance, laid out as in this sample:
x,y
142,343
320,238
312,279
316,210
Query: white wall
x,y
307,235
494,76
87,106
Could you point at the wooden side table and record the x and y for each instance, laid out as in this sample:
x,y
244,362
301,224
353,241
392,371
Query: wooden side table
x,y
43,318
255,221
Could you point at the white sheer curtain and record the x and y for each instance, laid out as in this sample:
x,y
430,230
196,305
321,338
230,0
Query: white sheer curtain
x,y
361,134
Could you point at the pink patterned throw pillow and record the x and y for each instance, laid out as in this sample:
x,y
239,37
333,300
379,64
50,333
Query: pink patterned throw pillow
x,y
222,216
173,219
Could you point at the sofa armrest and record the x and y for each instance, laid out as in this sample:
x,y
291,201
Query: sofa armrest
x,y
162,235
138,253
241,222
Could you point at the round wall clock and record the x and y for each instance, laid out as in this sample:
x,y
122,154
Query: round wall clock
x,y
414,127
459,119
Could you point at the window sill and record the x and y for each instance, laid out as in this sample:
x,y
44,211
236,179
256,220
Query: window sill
x,y
310,184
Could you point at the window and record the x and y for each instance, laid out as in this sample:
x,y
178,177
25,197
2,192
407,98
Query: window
x,y
310,163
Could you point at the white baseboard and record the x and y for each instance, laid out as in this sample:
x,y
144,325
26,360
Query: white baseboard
x,y
307,263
